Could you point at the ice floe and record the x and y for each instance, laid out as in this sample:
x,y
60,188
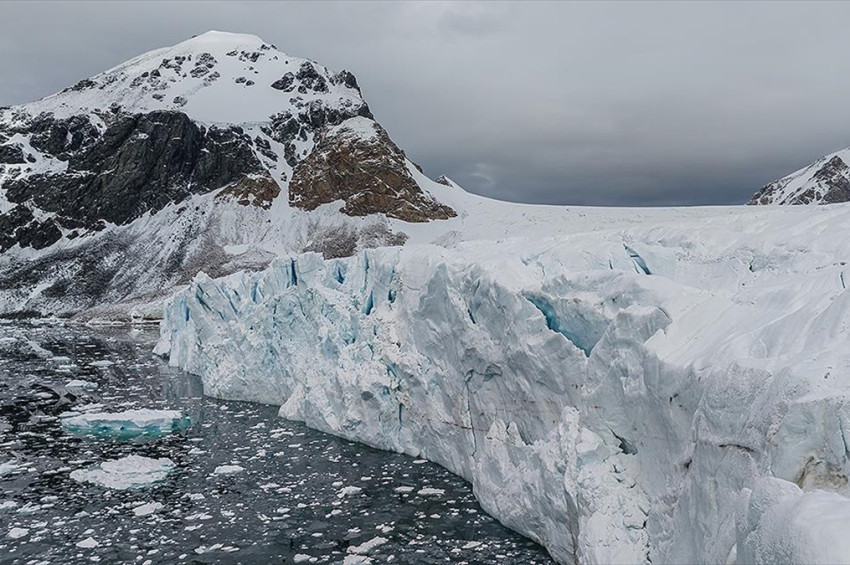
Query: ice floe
x,y
129,423
228,469
129,472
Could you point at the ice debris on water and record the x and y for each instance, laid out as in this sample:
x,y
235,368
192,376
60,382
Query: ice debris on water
x,y
16,533
228,469
147,509
126,424
81,384
88,543
349,491
7,505
427,491
368,546
8,467
131,472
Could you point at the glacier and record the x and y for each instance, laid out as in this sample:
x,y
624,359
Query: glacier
x,y
664,390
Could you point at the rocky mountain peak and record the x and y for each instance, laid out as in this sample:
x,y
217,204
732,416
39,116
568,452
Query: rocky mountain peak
x,y
826,181
219,131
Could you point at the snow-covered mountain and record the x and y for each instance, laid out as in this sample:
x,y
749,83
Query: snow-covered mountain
x,y
826,181
214,154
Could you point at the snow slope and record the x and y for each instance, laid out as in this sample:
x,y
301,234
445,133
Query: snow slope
x,y
619,391
209,95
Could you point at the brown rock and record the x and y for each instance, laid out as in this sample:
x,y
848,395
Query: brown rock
x,y
253,190
367,171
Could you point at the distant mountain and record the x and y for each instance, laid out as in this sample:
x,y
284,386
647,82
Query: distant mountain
x,y
826,181
215,154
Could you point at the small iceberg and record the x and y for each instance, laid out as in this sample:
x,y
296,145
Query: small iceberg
x,y
8,467
127,424
228,470
131,472
81,384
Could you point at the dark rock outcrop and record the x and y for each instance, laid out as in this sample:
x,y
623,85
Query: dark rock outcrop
x,y
835,175
18,225
288,126
11,154
61,138
140,163
444,180
310,79
368,172
285,83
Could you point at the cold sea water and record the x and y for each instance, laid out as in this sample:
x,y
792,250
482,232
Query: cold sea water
x,y
282,494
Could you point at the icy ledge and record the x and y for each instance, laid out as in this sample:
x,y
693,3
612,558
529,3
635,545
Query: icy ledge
x,y
664,393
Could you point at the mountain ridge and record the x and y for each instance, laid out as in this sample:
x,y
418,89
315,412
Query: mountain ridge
x,y
825,181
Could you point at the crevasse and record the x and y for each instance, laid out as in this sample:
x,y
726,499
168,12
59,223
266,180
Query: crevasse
x,y
615,416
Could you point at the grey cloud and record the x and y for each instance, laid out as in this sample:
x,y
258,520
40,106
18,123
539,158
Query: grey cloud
x,y
571,103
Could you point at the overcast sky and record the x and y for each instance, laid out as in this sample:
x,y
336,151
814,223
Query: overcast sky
x,y
624,103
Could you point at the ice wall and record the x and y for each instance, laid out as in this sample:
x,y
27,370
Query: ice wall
x,y
616,396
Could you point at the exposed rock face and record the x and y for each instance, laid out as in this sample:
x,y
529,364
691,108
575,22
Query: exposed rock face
x,y
139,164
358,163
444,180
260,190
291,127
826,181
11,154
20,226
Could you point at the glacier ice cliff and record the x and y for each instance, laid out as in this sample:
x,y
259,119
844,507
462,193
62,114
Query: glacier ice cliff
x,y
652,393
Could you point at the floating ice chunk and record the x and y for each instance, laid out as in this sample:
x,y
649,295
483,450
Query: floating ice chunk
x,y
367,546
356,560
7,505
428,491
39,350
228,469
129,472
129,423
471,545
17,533
348,491
147,509
404,490
300,558
8,467
88,543
81,384
102,363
